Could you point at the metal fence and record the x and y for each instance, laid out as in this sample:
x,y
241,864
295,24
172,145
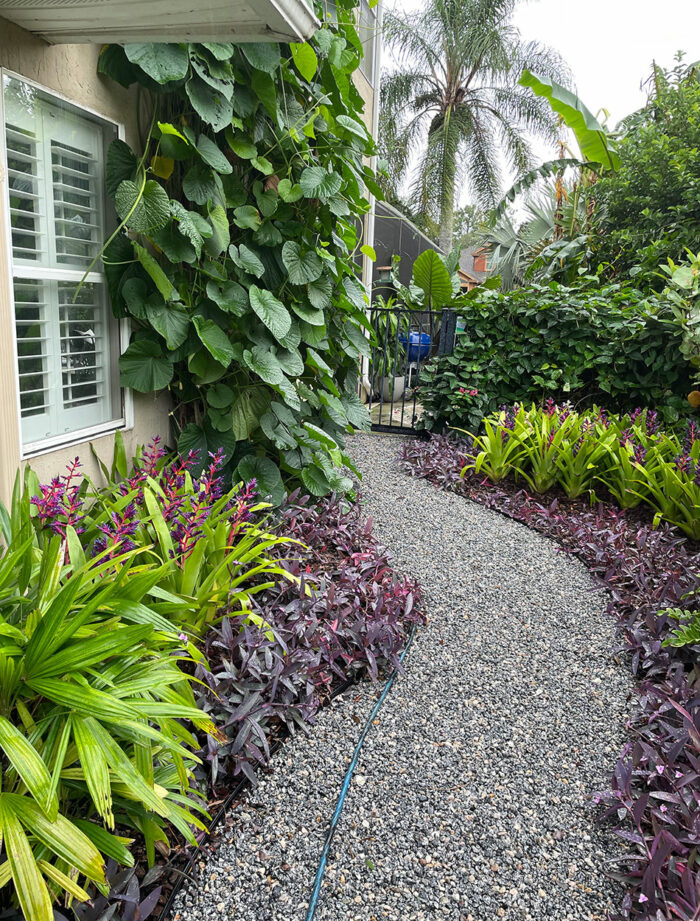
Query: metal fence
x,y
406,340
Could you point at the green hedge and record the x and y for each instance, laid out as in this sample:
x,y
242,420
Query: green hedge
x,y
612,345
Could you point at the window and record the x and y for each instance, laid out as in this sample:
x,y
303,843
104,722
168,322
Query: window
x,y
67,340
367,30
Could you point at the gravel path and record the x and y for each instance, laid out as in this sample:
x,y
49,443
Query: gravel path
x,y
469,801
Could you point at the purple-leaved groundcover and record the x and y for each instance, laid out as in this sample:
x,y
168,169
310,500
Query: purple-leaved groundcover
x,y
654,794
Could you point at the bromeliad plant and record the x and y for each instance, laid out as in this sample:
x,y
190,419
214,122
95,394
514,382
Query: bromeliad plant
x,y
91,698
210,543
235,258
629,456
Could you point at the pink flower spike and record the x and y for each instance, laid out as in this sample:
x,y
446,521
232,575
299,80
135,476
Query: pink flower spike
x,y
643,898
659,768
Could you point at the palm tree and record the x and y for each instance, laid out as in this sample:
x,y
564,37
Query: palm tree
x,y
454,102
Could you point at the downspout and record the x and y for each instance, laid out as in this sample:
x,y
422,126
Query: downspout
x,y
368,264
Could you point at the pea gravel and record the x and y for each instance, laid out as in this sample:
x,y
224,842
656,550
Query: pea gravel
x,y
469,802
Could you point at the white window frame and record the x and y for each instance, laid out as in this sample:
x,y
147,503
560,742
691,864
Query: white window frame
x,y
126,420
365,9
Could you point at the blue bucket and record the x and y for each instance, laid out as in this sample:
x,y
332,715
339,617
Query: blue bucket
x,y
417,345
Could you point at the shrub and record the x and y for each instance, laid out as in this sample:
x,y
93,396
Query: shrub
x,y
91,694
352,621
211,545
629,456
588,345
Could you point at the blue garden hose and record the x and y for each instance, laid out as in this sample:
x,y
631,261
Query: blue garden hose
x,y
313,901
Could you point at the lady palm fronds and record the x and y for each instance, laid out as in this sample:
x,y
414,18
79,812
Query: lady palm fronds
x,y
455,102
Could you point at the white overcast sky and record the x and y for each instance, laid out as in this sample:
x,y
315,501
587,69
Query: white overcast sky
x,y
608,44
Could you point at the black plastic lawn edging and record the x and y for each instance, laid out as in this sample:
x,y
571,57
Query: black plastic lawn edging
x,y
235,795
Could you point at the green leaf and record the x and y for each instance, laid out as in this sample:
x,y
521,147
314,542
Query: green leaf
x,y
264,88
211,106
189,224
291,362
272,312
121,165
262,55
211,154
170,320
249,406
305,60
176,247
231,297
263,165
61,836
315,480
29,884
316,182
302,267
264,363
144,368
309,314
319,292
288,192
161,280
593,139
242,145
192,438
431,276
267,475
214,340
353,126
246,217
247,260
142,210
29,765
319,435
221,235
201,185
163,63
369,251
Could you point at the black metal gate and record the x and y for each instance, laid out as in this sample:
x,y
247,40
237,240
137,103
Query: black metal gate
x,y
406,340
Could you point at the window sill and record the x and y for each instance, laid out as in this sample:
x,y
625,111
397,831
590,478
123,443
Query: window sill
x,y
39,448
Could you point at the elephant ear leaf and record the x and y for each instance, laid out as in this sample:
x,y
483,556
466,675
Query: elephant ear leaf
x,y
430,274
592,137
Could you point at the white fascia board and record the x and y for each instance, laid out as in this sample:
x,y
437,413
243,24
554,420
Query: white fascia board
x,y
122,21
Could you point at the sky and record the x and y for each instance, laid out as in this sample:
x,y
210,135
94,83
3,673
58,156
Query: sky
x,y
608,44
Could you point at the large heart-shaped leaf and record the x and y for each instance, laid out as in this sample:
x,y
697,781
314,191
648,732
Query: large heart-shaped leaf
x,y
248,408
215,340
266,474
262,55
143,367
211,106
209,152
316,182
305,60
231,297
163,63
272,312
143,209
171,321
121,165
202,185
246,260
264,363
303,267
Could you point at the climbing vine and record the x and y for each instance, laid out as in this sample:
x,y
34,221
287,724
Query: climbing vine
x,y
238,251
